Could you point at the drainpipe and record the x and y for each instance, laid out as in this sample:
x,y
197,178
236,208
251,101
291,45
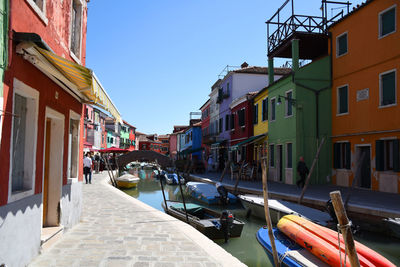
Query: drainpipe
x,y
270,70
295,55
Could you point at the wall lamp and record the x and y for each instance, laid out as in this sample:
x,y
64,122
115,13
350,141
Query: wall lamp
x,y
289,99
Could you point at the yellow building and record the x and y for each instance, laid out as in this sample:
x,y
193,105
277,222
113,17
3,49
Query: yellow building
x,y
260,102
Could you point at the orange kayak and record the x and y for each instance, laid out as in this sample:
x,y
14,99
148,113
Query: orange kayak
x,y
323,242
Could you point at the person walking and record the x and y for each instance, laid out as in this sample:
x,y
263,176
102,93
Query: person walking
x,y
87,168
302,170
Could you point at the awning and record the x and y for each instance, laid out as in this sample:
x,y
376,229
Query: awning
x,y
248,141
217,144
66,73
190,150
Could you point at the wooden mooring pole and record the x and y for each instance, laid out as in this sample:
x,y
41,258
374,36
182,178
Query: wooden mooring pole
x,y
345,228
224,171
267,215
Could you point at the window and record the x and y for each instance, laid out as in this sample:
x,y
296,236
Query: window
x,y
288,102
265,109
387,21
289,159
73,146
23,141
76,20
232,121
341,44
39,6
343,106
227,125
273,107
241,114
227,89
387,155
221,124
342,155
387,86
255,114
271,155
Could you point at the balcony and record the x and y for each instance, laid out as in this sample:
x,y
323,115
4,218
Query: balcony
x,y
311,31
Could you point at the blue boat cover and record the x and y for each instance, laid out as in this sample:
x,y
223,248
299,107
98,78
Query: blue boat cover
x,y
207,193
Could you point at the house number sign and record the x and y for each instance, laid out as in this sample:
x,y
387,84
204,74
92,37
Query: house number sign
x,y
362,94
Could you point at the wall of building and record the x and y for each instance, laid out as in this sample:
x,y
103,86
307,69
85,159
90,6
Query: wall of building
x,y
71,204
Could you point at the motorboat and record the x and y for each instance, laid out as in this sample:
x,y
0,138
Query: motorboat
x,y
127,181
210,194
172,179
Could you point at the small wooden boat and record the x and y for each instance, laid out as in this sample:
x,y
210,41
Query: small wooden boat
x,y
289,253
208,193
172,178
323,243
206,221
127,181
280,208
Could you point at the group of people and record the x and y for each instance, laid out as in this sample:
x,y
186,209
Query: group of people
x,y
91,162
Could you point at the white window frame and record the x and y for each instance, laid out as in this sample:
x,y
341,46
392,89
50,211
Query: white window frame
x,y
287,104
337,44
41,13
380,36
74,116
273,98
24,90
77,58
395,88
338,100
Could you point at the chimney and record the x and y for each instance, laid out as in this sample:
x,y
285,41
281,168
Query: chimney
x,y
244,65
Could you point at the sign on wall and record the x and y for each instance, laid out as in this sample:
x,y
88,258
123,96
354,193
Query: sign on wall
x,y
363,94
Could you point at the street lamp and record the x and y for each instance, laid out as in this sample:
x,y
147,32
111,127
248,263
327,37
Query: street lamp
x,y
289,99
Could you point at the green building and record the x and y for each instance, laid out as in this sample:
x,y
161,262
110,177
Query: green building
x,y
299,118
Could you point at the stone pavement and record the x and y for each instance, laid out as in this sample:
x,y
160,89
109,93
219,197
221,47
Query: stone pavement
x,y
118,230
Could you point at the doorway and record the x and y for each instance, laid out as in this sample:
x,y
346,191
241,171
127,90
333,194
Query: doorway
x,y
364,170
279,163
53,167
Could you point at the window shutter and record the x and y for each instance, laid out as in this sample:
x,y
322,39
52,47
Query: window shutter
x,y
388,21
388,88
348,155
379,158
336,155
396,155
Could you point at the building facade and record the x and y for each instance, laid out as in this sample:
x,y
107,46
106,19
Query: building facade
x,y
260,125
205,128
164,139
365,97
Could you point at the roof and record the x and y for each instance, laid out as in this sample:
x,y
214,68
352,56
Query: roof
x,y
355,9
163,136
140,133
124,121
262,70
205,104
143,138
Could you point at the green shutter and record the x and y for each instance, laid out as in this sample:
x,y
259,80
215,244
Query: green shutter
x,y
336,156
396,155
379,156
388,88
348,155
388,21
342,44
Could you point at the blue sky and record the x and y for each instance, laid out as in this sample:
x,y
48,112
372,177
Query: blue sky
x,y
157,59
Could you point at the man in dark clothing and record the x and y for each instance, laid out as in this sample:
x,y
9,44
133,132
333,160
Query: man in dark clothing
x,y
302,170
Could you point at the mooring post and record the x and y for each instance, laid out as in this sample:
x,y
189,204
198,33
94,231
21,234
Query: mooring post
x,y
266,209
163,194
345,228
183,198
224,171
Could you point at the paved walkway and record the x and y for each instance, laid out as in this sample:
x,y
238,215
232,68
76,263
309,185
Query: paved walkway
x,y
361,200
118,230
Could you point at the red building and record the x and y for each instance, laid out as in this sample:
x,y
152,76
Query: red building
x,y
205,128
45,85
242,128
145,143
132,136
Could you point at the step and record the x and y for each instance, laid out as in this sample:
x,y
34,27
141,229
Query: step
x,y
49,236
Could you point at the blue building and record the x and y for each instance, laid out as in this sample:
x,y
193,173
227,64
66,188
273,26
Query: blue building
x,y
191,142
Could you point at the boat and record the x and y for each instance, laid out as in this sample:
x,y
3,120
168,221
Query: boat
x,y
208,193
279,208
323,243
289,253
172,178
127,181
206,221
392,225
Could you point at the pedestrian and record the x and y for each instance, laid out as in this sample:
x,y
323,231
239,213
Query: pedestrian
x,y
302,170
97,162
87,168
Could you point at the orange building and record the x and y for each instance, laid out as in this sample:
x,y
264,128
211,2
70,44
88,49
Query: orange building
x,y
365,97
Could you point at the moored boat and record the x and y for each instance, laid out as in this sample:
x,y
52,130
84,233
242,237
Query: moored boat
x,y
279,208
172,178
127,181
213,224
323,243
208,194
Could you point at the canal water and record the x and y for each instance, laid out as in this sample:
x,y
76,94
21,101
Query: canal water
x,y
246,247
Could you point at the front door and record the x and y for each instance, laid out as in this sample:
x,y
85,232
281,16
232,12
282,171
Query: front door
x,y
46,171
279,163
365,169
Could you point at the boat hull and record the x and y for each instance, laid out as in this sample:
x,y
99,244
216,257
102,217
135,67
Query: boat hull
x,y
323,242
127,184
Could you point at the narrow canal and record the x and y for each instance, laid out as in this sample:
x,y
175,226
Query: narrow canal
x,y
246,248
